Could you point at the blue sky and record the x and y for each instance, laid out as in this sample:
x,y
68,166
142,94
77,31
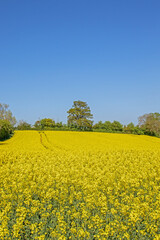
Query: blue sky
x,y
106,53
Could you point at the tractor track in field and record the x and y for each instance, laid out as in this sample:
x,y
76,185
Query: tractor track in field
x,y
45,142
42,140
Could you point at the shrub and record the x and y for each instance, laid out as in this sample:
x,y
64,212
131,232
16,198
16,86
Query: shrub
x,y
6,129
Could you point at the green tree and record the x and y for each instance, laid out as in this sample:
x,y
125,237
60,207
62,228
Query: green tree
x,y
138,130
6,129
79,116
7,121
108,126
150,123
99,125
130,128
117,126
37,124
6,114
22,125
45,123
104,127
59,125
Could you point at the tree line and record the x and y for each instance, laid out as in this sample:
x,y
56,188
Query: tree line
x,y
80,119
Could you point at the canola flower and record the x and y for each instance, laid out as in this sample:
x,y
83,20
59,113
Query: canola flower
x,y
79,185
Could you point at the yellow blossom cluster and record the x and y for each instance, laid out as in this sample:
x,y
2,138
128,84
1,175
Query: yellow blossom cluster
x,y
79,185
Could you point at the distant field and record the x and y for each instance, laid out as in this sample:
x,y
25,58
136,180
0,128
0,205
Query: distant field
x,y
79,185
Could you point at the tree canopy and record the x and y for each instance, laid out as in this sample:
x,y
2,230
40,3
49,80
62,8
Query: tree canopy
x,y
45,123
107,126
22,125
150,123
79,116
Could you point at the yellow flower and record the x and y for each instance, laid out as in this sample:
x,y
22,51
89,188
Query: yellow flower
x,y
79,185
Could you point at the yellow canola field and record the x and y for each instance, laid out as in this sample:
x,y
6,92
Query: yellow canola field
x,y
79,185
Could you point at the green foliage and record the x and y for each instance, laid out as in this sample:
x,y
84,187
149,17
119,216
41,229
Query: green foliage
x,y
6,129
129,128
138,131
7,121
37,125
59,125
150,124
98,125
79,116
103,127
45,123
6,114
107,126
117,126
23,126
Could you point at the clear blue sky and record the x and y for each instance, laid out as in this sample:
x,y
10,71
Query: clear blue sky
x,y
106,53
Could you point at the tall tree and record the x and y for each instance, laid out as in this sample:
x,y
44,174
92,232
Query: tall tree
x,y
150,123
80,116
